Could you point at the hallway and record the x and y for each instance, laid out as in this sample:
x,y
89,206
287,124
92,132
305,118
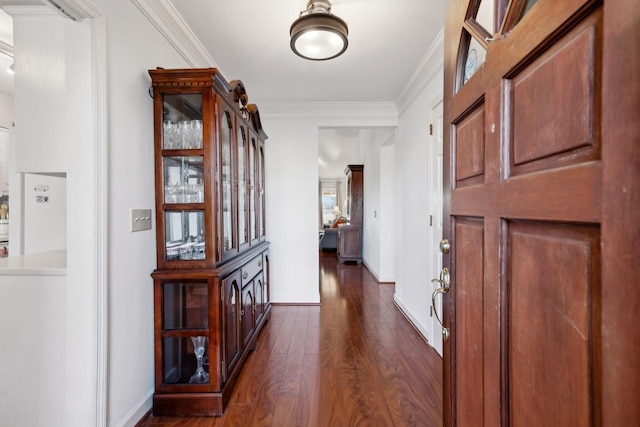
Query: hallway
x,y
353,361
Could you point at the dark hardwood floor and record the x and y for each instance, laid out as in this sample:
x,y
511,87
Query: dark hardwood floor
x,y
353,361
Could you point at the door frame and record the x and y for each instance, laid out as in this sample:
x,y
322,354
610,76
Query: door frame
x,y
434,328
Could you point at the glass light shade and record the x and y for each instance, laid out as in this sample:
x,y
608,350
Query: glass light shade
x,y
319,36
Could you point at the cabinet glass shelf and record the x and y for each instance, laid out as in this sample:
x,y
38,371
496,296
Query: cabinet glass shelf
x,y
185,235
180,363
182,124
183,179
185,305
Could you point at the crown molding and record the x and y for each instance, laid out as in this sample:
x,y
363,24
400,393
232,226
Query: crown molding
x,y
76,10
164,16
369,113
6,49
17,10
430,64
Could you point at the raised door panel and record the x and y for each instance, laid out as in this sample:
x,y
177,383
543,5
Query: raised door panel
x,y
524,207
248,313
259,298
231,318
469,345
553,283
265,278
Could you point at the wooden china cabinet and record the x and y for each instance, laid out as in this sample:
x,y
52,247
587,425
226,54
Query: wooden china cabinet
x,y
211,285
350,233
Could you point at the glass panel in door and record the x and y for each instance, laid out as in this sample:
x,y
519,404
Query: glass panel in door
x,y
261,201
182,121
184,359
231,318
475,57
184,235
183,179
252,188
243,228
486,14
185,305
226,127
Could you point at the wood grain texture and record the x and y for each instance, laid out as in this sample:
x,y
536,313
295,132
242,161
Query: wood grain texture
x,y
553,297
353,361
470,145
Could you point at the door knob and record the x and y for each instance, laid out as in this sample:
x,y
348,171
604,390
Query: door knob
x,y
445,246
444,280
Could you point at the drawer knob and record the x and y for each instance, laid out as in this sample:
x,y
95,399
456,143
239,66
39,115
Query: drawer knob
x,y
245,275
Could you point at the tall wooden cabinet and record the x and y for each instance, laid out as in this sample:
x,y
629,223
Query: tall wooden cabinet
x,y
350,233
211,285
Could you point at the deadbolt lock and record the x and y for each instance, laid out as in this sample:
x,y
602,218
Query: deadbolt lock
x,y
445,246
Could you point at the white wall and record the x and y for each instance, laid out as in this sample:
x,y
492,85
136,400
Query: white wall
x,y
133,47
412,175
371,203
33,351
378,206
53,124
291,175
388,211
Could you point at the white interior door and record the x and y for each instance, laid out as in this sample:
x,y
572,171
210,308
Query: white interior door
x,y
435,222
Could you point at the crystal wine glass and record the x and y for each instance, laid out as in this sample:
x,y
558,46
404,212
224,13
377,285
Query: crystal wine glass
x,y
170,131
184,134
200,376
196,134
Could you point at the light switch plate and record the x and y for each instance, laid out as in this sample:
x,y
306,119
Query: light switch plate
x,y
140,219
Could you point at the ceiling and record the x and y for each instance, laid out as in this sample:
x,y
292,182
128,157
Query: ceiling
x,y
249,41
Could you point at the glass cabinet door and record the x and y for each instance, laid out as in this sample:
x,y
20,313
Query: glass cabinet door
x,y
231,321
182,122
185,342
184,234
243,227
226,129
183,179
261,199
252,188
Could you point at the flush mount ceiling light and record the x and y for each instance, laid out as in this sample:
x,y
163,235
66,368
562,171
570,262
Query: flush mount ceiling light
x,y
317,34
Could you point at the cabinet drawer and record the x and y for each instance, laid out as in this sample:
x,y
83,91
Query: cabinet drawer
x,y
250,269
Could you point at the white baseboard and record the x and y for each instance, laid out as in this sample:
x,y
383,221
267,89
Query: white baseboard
x,y
380,279
138,411
405,311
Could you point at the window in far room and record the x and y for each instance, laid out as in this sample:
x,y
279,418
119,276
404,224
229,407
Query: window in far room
x,y
330,209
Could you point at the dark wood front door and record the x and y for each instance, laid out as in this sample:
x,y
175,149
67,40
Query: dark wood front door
x,y
541,207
